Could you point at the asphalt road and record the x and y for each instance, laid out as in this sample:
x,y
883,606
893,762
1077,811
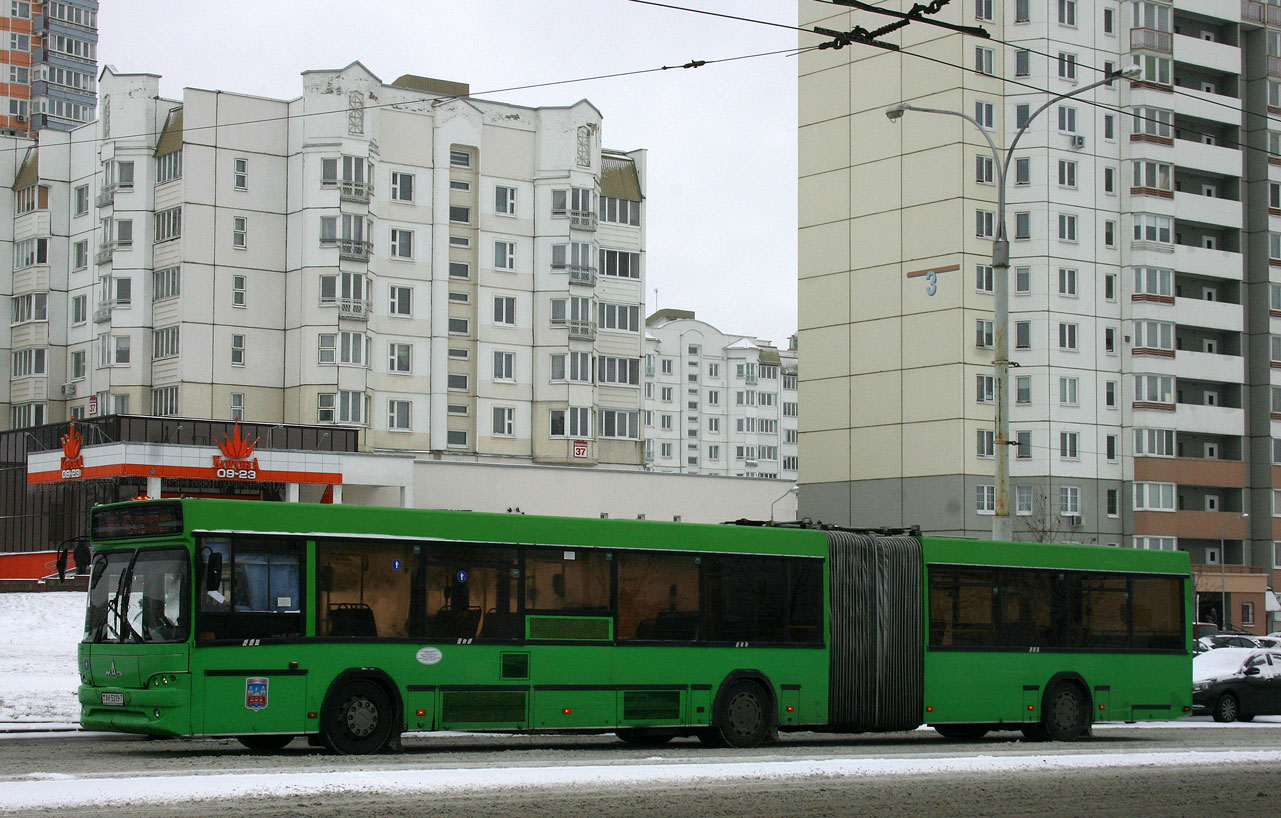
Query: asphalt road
x,y
1107,775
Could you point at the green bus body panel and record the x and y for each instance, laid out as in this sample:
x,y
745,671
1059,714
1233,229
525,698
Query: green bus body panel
x,y
577,677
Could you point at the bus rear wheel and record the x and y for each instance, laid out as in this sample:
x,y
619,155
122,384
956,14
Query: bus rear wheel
x,y
358,720
742,718
960,731
1066,715
265,744
645,737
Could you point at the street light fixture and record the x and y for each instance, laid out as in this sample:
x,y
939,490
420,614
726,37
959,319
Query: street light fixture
x,y
785,494
1002,525
1223,571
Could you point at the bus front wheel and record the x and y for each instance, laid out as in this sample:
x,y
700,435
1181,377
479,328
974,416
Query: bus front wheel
x,y
359,720
742,718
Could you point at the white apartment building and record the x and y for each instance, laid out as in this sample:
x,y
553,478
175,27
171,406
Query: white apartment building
x,y
717,403
1145,317
454,276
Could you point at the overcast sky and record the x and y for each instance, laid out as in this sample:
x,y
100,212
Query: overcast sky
x,y
721,193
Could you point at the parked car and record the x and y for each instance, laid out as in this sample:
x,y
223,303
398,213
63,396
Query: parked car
x,y
1230,640
1237,684
1273,642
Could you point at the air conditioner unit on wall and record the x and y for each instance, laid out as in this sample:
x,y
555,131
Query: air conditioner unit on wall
x,y
1073,520
1078,141
68,390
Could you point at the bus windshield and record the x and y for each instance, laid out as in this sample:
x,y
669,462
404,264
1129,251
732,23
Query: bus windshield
x,y
139,596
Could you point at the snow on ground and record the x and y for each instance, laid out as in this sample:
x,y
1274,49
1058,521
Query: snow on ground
x,y
53,790
38,638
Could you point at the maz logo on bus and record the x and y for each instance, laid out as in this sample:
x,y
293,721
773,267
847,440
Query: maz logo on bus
x,y
73,462
237,461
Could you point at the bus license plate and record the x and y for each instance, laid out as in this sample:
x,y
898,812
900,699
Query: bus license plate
x,y
113,698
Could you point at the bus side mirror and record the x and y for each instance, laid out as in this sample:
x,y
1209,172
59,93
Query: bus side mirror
x,y
213,572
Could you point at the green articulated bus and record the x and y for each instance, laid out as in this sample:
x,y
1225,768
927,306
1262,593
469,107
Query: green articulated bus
x,y
351,625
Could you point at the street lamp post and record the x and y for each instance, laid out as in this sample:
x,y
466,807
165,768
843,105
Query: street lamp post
x,y
1223,571
785,495
1002,525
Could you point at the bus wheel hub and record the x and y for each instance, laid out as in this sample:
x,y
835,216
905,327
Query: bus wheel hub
x,y
362,718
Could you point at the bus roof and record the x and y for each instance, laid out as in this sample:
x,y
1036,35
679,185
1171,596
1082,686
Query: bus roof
x,y
1053,555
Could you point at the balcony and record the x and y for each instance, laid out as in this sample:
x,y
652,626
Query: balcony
x,y
1193,207
354,308
1209,366
750,380
1213,159
586,276
582,219
1190,471
1225,59
1209,420
106,197
356,191
1203,105
1221,315
1150,39
103,313
352,249
105,252
1253,12
582,330
1200,261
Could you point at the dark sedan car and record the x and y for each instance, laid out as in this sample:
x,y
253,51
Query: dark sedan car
x,y
1237,684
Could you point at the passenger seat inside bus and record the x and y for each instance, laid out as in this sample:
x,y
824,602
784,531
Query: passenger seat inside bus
x,y
458,623
351,619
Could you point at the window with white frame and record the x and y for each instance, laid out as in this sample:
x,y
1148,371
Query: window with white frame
x,y
79,309
504,421
986,446
619,263
113,350
619,211
1067,336
168,224
457,381
1110,448
1069,445
164,343
984,224
619,371
618,423
1153,175
240,173
164,400
30,252
81,197
237,406
1067,119
1154,335
1154,281
1067,173
1022,280
28,363
402,243
459,326
1023,171
1023,444
1070,501
240,232
1067,12
505,310
165,283
983,169
1154,496
983,281
29,307
1023,389
1067,281
983,10
1154,388
985,498
505,200
984,60
1157,122
1023,225
1068,391
985,388
27,414
237,350
1067,66
402,188
1023,499
398,358
239,291
504,365
1154,69
456,438
983,333
505,255
985,114
1067,227
399,415
576,421
1022,334
621,317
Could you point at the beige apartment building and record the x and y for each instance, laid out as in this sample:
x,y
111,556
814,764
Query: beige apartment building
x,y
1144,220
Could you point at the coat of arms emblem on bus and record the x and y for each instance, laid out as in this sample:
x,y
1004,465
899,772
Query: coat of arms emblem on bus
x,y
73,462
256,693
237,461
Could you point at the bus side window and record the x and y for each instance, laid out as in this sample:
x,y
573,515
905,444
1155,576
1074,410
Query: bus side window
x,y
260,595
658,596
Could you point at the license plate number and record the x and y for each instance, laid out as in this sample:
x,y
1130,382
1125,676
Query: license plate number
x,y
113,698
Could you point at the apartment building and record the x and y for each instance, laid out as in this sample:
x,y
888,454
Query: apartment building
x,y
1144,220
48,65
444,273
717,403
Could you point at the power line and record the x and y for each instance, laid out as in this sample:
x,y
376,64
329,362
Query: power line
x,y
437,100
